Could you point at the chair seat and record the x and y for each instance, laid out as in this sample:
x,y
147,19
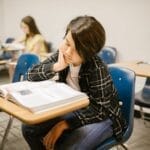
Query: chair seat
x,y
141,101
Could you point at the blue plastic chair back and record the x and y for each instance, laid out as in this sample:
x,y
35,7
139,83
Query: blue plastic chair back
x,y
146,90
108,55
49,46
124,81
7,54
9,40
24,62
147,81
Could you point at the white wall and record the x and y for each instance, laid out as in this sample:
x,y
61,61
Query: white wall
x,y
127,22
1,20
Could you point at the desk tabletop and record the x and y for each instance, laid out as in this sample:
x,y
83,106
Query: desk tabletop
x,y
2,62
140,68
33,118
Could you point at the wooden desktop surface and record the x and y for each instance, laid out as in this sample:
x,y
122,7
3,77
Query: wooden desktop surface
x,y
33,118
140,68
3,62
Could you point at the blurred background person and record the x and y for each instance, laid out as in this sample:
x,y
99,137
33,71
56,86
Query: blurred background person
x,y
32,40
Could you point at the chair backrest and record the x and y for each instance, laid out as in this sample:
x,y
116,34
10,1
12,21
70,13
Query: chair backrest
x,y
124,81
108,54
7,54
146,89
49,46
147,81
9,40
24,62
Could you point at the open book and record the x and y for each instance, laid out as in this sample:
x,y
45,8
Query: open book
x,y
40,96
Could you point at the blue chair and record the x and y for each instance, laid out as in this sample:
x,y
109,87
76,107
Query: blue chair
x,y
9,40
7,55
49,46
24,62
142,99
108,54
124,80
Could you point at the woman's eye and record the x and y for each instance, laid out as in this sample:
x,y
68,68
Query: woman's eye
x,y
67,44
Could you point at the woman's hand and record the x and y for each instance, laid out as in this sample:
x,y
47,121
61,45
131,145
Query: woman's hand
x,y
53,135
61,63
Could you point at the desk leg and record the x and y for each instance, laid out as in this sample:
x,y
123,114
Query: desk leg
x,y
11,69
6,132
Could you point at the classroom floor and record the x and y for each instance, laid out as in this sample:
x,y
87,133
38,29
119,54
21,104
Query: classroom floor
x,y
140,138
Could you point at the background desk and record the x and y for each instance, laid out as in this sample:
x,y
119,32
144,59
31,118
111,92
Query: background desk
x,y
3,62
33,118
140,69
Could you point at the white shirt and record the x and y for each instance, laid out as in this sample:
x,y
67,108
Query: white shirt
x,y
72,77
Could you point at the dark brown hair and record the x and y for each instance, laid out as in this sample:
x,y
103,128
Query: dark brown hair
x,y
88,35
30,22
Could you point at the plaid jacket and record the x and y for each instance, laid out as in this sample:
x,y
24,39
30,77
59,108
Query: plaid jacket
x,y
96,82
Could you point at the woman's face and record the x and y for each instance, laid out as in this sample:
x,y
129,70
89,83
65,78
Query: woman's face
x,y
67,47
25,28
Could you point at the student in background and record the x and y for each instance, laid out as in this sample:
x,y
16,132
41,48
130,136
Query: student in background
x,y
32,40
78,65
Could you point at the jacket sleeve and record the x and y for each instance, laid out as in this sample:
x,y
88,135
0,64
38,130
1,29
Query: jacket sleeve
x,y
44,70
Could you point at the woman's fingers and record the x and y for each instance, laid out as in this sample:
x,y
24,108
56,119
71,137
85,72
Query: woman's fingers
x,y
53,135
68,58
48,141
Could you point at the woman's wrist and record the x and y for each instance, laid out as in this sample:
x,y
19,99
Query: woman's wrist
x,y
64,124
56,67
